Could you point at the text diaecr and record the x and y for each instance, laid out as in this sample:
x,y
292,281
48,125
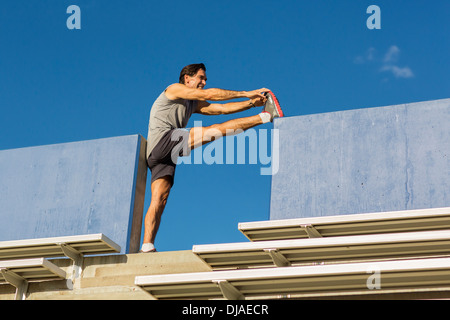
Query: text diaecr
x,y
247,309
231,309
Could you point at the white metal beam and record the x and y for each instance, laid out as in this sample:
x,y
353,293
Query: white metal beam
x,y
229,292
311,231
75,256
20,283
278,259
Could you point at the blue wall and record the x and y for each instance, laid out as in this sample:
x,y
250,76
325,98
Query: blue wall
x,y
366,160
72,189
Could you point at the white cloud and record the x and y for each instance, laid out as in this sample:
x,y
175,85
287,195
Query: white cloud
x,y
390,58
398,72
392,54
388,62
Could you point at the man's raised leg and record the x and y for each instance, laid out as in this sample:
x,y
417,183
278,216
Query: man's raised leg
x,y
199,136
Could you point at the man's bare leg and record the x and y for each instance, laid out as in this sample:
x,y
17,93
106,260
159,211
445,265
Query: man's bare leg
x,y
199,136
160,192
161,187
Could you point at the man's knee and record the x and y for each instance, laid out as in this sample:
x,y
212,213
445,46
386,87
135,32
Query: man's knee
x,y
161,190
159,199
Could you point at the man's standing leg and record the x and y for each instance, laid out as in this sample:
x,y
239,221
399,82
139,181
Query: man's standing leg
x,y
160,192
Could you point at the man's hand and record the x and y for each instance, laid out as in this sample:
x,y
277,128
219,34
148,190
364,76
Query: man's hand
x,y
258,102
257,98
257,93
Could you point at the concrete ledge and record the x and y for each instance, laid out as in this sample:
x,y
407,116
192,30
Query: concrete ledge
x,y
110,276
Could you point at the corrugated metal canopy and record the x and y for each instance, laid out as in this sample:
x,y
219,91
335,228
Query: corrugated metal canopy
x,y
334,249
353,224
31,269
52,247
305,281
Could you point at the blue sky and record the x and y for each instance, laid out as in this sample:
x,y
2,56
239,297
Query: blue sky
x,y
59,85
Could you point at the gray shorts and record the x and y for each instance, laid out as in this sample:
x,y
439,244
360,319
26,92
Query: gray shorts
x,y
163,158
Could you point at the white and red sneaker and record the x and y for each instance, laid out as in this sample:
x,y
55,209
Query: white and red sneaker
x,y
273,106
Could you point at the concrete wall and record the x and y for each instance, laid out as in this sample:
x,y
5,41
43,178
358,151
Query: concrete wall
x,y
366,160
95,186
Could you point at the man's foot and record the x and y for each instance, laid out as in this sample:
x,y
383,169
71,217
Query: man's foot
x,y
273,106
147,247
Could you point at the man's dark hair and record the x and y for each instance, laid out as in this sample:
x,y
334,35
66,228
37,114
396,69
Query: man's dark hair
x,y
191,70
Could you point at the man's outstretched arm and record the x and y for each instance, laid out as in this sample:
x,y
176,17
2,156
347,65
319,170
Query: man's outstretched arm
x,y
180,91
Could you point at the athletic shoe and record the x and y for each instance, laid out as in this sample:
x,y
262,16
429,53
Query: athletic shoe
x,y
148,247
153,250
273,106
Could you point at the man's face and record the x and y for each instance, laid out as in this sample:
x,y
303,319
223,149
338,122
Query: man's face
x,y
198,81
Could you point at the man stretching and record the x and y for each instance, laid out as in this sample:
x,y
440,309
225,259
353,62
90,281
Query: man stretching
x,y
167,138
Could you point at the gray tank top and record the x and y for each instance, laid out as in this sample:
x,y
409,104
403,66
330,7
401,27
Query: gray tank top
x,y
166,115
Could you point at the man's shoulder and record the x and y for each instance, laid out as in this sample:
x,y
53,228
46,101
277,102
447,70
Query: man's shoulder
x,y
172,90
175,85
164,96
